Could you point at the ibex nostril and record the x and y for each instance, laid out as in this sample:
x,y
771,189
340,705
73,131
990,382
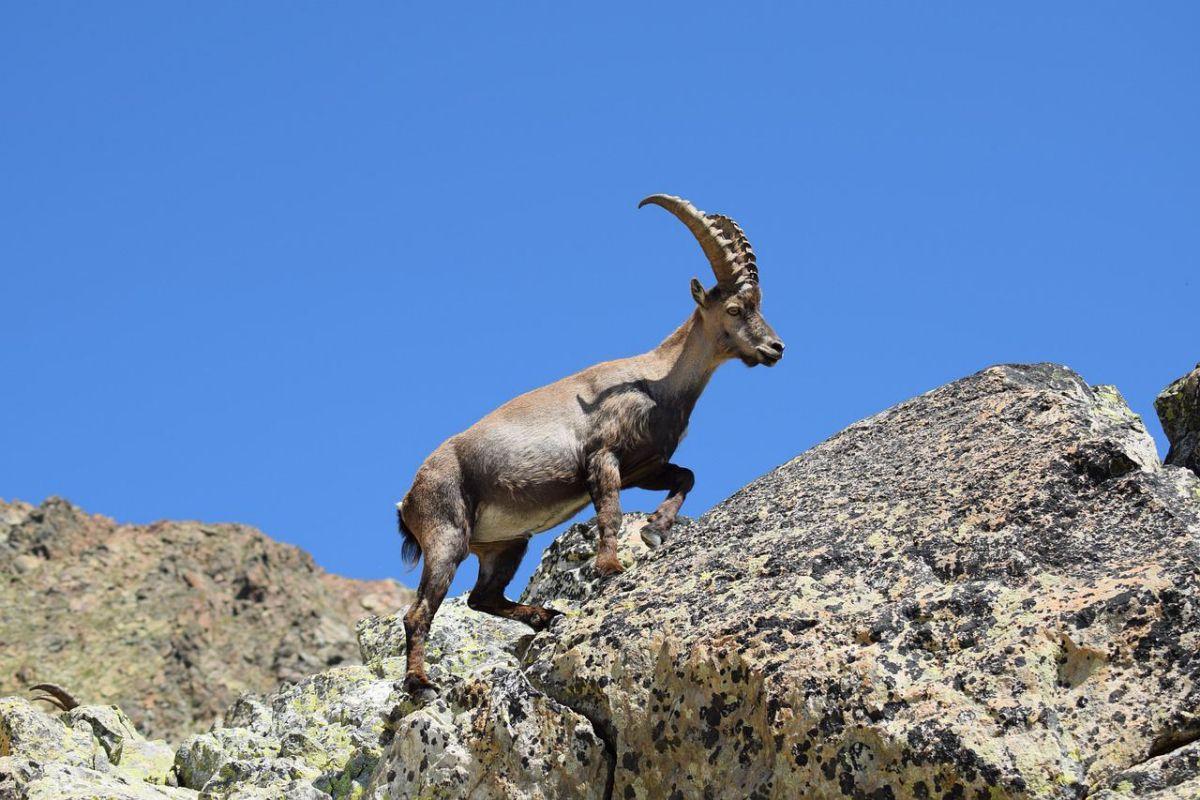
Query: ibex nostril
x,y
777,346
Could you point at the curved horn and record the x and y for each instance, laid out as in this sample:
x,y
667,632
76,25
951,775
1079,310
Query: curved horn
x,y
58,696
743,254
708,232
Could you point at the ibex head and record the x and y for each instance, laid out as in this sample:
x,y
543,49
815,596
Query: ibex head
x,y
731,310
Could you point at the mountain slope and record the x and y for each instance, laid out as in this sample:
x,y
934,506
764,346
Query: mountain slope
x,y
170,620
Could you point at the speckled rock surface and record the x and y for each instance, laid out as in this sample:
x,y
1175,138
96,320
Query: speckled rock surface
x,y
199,758
1175,776
28,732
1178,408
489,734
989,591
326,731
566,575
60,781
88,752
150,760
493,736
264,779
460,642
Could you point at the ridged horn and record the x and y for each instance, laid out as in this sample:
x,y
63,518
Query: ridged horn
x,y
745,262
58,696
729,252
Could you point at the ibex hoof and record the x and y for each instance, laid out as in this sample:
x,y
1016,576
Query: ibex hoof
x,y
420,688
652,537
542,619
608,566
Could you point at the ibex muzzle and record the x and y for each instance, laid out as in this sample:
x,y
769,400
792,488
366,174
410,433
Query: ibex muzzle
x,y
541,457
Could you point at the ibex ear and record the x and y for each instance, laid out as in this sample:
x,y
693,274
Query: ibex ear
x,y
698,292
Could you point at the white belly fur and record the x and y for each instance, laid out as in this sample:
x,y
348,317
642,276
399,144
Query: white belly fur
x,y
495,523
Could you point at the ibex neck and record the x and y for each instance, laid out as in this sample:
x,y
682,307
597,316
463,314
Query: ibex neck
x,y
689,357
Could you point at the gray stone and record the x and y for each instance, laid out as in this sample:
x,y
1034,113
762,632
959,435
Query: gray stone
x,y
460,642
27,732
1178,408
201,757
1174,776
264,779
64,781
15,774
333,724
494,736
566,576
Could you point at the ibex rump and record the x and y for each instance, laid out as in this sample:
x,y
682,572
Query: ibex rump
x,y
540,458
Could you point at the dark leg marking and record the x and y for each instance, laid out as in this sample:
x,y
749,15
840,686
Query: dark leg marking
x,y
498,562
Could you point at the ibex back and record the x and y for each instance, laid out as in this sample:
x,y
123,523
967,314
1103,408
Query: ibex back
x,y
541,457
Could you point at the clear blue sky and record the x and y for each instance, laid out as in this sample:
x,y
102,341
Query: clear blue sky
x,y
260,258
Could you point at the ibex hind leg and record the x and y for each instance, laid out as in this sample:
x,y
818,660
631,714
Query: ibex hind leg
x,y
444,544
498,562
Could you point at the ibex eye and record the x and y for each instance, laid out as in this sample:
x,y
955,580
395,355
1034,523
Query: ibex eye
x,y
734,310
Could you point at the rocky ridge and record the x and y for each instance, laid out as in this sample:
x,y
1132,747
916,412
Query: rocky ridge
x,y
989,591
170,621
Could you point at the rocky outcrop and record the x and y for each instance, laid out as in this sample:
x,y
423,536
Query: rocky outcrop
x,y
990,591
345,732
987,591
1178,408
349,732
170,621
89,751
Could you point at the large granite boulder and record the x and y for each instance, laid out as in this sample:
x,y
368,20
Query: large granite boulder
x,y
1178,408
990,590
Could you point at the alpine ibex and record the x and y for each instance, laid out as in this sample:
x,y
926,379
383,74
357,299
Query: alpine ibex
x,y
541,457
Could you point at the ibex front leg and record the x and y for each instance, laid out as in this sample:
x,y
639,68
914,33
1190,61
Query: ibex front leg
x,y
677,481
604,484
